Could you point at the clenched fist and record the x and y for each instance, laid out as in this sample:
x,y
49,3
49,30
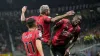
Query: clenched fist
x,y
66,52
69,13
24,9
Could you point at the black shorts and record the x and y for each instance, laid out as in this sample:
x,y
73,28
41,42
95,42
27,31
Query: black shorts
x,y
46,49
58,50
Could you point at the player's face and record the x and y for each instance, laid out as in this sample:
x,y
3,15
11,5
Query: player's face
x,y
48,12
76,21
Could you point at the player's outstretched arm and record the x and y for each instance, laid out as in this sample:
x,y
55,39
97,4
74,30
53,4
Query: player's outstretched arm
x,y
57,18
23,13
67,53
39,47
72,42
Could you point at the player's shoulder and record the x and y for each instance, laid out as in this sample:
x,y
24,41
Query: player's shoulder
x,y
23,34
38,33
46,16
36,30
33,17
65,20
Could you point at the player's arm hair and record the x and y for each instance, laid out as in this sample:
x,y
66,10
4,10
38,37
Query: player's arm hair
x,y
57,18
23,17
39,47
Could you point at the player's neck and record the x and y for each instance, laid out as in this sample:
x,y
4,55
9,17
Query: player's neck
x,y
73,24
43,15
32,29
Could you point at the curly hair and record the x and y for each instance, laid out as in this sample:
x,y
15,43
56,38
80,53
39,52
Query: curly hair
x,y
44,8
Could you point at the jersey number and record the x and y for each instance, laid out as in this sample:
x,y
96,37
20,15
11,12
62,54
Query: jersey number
x,y
30,47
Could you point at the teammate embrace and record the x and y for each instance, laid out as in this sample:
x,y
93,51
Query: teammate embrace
x,y
38,39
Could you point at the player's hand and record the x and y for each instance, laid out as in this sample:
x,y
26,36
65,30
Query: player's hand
x,y
24,9
66,52
69,13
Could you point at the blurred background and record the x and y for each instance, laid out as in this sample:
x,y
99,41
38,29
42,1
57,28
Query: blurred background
x,y
11,27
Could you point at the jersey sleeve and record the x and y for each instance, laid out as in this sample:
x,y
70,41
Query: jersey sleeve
x,y
68,27
76,34
47,19
79,29
59,23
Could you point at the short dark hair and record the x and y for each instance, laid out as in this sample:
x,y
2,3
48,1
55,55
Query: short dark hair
x,y
30,22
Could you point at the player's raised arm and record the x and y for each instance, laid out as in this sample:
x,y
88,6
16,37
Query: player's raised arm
x,y
57,18
23,13
39,47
